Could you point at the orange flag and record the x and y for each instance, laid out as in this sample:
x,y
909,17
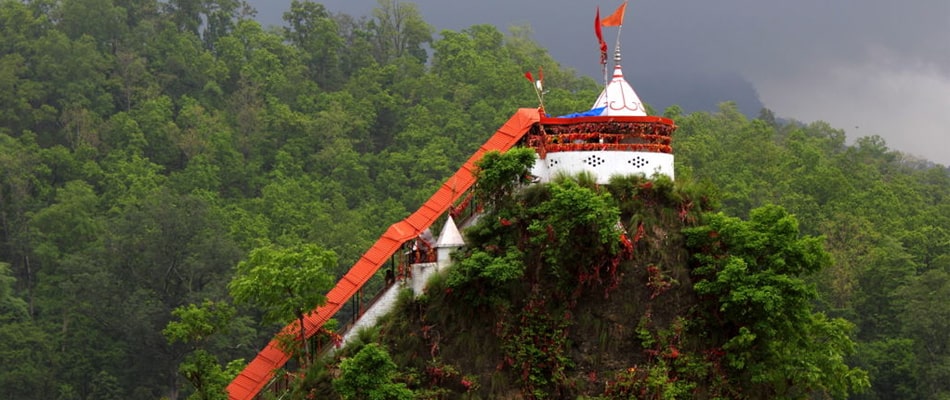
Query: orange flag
x,y
615,19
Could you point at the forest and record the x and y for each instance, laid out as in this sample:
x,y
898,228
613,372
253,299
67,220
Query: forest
x,y
149,149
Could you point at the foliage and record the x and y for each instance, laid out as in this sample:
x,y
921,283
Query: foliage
x,y
534,231
207,376
499,175
195,326
671,371
864,198
147,147
154,144
197,323
369,375
575,217
12,308
489,272
26,345
924,320
752,274
752,330
536,349
285,283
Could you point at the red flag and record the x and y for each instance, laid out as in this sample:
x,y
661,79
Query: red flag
x,y
597,30
540,74
528,75
615,19
600,38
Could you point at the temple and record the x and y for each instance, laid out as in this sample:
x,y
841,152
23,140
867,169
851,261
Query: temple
x,y
615,137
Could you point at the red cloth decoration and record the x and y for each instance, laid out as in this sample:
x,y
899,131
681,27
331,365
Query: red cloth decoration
x,y
600,38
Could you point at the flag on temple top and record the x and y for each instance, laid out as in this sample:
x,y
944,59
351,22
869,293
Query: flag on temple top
x,y
615,19
600,38
537,83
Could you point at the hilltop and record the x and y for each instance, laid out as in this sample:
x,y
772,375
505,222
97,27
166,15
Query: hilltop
x,y
552,298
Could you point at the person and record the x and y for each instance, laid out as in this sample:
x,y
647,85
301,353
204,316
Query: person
x,y
390,277
423,246
414,258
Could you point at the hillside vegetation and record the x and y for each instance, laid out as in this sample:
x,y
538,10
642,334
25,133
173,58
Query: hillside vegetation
x,y
152,152
634,289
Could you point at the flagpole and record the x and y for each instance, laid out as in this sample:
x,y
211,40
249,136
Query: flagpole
x,y
617,47
614,19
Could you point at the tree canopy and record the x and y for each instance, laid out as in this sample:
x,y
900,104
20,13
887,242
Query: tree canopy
x,y
147,149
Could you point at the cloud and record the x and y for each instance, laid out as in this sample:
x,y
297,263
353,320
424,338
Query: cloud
x,y
907,102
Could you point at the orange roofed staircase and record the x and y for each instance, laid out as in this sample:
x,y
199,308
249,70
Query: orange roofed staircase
x,y
259,372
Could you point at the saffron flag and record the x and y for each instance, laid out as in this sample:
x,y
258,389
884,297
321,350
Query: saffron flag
x,y
600,38
615,19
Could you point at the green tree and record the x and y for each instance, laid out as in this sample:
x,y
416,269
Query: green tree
x,y
285,283
25,349
400,31
195,326
758,304
68,245
892,368
104,386
500,174
314,31
22,189
181,64
186,15
12,308
164,249
369,375
100,19
877,306
925,318
357,50
220,17
530,233
175,246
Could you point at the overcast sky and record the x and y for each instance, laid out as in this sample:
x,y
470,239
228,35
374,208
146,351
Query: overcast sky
x,y
866,66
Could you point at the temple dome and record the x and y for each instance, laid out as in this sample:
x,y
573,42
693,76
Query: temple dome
x,y
450,236
619,98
